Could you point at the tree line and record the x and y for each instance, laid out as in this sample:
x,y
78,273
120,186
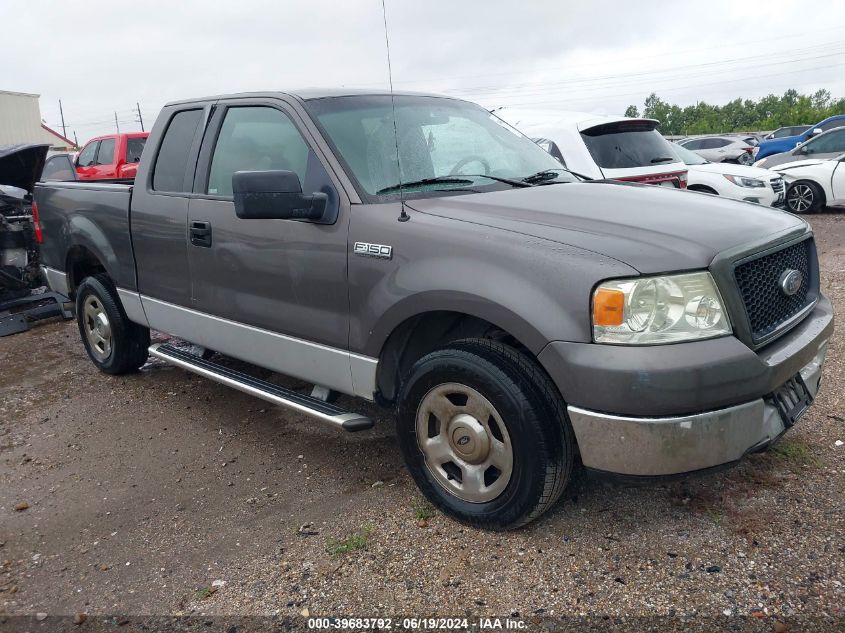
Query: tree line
x,y
740,115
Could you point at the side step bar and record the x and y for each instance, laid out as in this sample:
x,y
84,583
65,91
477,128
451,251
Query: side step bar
x,y
302,403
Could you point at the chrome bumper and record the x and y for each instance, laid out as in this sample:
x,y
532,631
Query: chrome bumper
x,y
673,445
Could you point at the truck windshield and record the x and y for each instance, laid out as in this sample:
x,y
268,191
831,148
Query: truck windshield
x,y
627,144
437,138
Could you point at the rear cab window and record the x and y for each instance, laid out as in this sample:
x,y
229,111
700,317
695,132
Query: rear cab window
x,y
171,166
134,147
627,144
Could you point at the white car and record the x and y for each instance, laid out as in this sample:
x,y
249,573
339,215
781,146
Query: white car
x,y
732,181
596,146
813,184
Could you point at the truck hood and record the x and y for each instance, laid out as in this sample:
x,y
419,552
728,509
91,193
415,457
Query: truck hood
x,y
734,170
652,229
21,165
809,162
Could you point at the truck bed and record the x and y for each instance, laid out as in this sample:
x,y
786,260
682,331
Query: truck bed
x,y
88,215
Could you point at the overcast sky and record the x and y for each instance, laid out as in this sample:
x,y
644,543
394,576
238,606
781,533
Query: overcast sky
x,y
102,57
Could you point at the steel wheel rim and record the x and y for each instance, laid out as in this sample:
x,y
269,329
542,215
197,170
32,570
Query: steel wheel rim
x,y
465,443
800,198
97,327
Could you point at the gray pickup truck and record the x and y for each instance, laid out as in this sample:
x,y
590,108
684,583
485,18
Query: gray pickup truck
x,y
418,252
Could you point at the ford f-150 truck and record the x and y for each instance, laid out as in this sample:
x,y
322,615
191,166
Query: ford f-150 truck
x,y
418,252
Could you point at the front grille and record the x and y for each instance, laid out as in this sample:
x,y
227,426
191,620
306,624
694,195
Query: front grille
x,y
759,281
777,185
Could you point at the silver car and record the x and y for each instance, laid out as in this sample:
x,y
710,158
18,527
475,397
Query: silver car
x,y
829,144
721,149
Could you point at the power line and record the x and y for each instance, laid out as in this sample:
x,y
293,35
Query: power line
x,y
637,77
661,55
675,89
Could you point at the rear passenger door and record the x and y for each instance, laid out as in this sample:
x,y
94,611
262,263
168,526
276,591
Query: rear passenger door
x,y
104,166
160,216
280,285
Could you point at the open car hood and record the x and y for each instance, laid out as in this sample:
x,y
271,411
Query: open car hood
x,y
21,165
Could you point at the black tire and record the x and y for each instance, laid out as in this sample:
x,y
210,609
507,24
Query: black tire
x,y
534,416
128,341
804,196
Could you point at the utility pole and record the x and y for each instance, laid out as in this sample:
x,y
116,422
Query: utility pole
x,y
61,112
140,118
75,140
116,124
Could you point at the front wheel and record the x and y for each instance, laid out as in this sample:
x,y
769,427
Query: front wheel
x,y
484,434
114,344
804,197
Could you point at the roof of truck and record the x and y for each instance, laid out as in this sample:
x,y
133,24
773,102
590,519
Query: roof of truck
x,y
314,93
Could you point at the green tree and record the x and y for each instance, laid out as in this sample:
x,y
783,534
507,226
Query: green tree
x,y
741,115
632,111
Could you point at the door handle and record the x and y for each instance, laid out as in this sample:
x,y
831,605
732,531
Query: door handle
x,y
201,234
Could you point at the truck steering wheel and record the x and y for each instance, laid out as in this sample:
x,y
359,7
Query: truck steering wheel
x,y
470,159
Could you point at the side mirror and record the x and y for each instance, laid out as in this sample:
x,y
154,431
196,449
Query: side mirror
x,y
815,132
275,195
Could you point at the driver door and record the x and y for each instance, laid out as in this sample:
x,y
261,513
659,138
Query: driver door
x,y
275,291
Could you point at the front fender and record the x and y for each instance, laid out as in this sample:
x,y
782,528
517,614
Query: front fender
x,y
534,289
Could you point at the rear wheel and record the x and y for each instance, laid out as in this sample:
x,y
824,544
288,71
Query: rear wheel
x,y
115,344
804,197
484,434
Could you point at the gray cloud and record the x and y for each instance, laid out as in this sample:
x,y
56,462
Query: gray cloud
x,y
102,57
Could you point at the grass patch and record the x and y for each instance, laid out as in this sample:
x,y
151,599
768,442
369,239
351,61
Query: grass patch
x,y
794,455
351,543
204,592
423,511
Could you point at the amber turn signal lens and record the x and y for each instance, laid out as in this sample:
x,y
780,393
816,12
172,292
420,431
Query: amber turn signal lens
x,y
608,307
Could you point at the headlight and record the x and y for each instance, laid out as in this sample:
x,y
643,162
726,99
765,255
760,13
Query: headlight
x,y
742,181
653,310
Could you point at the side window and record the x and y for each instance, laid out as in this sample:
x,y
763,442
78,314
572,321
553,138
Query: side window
x,y
57,168
255,139
172,160
692,145
86,156
830,125
105,155
830,142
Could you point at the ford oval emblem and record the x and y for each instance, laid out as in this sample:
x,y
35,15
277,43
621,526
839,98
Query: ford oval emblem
x,y
790,281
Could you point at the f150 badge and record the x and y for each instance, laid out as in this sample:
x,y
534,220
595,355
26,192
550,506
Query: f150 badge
x,y
373,250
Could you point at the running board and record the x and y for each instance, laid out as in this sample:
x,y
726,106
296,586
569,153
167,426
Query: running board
x,y
302,403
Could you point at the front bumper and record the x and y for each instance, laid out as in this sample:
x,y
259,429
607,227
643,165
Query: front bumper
x,y
666,446
669,409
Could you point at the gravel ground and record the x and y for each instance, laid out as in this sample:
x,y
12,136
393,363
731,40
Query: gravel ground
x,y
142,491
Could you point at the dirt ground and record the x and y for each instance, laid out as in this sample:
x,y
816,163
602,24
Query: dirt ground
x,y
144,490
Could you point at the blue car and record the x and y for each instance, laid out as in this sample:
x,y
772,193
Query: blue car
x,y
787,143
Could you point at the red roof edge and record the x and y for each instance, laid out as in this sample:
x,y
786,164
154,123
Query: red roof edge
x,y
65,139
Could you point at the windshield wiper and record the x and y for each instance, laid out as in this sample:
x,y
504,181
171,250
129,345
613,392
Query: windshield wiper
x,y
508,181
663,159
446,180
549,174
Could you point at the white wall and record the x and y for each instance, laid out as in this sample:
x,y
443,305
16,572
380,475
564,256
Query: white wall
x,y
20,120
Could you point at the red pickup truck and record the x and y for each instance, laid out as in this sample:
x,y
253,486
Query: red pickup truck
x,y
110,157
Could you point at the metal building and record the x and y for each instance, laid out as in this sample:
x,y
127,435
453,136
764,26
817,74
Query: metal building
x,y
20,122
